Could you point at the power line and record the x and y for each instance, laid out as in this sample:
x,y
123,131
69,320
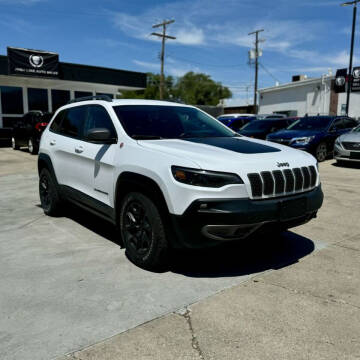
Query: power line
x,y
163,37
268,72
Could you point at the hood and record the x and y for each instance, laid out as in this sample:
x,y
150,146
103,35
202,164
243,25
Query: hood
x,y
230,154
290,134
351,137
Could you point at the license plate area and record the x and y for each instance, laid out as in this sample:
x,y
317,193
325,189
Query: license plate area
x,y
291,209
355,155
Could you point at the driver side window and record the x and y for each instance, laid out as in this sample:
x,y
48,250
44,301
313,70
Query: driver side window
x,y
337,125
98,117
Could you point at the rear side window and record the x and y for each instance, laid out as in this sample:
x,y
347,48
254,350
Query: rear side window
x,y
73,122
98,117
349,123
56,124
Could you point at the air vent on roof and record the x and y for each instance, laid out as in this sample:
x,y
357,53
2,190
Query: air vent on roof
x,y
299,78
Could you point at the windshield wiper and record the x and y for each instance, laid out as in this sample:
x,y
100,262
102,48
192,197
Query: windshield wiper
x,y
146,137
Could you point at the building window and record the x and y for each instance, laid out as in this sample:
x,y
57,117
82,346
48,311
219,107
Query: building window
x,y
59,98
79,94
38,99
11,100
111,96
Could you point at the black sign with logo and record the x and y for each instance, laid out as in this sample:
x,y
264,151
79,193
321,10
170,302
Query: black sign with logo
x,y
340,80
33,63
355,86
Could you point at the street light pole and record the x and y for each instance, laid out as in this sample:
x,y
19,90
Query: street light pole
x,y
351,52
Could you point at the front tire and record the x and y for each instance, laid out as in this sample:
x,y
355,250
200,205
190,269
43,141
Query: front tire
x,y
143,232
321,152
14,144
49,195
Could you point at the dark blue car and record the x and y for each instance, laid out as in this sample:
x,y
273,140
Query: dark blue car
x,y
236,121
259,129
315,134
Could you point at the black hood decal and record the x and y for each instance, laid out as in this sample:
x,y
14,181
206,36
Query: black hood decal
x,y
235,144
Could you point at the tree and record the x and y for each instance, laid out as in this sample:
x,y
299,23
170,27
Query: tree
x,y
200,89
192,88
152,89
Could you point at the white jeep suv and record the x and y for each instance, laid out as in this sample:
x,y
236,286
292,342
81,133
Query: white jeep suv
x,y
169,176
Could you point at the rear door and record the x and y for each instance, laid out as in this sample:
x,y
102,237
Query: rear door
x,y
67,146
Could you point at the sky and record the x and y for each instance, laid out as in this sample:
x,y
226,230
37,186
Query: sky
x,y
301,37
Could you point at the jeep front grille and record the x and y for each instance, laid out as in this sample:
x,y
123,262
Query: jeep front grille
x,y
351,145
282,182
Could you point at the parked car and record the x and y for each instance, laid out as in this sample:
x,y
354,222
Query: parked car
x,y
315,134
236,121
28,130
171,176
270,116
259,129
347,146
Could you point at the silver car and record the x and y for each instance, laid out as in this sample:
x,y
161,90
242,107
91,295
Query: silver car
x,y
347,146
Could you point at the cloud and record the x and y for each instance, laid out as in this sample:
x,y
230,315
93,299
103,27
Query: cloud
x,y
173,68
190,36
140,27
148,65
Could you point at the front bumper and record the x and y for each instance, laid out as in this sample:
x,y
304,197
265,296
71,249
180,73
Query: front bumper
x,y
342,154
208,222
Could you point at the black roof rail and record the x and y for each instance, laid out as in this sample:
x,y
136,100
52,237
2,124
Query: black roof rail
x,y
94,97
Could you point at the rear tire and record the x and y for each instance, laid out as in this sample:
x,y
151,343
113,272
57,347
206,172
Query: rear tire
x,y
33,150
14,144
49,194
143,232
321,152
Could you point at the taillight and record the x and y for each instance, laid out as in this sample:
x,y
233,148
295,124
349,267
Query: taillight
x,y
40,126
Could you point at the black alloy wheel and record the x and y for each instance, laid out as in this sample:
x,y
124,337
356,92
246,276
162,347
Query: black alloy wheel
x,y
49,196
143,232
137,228
45,192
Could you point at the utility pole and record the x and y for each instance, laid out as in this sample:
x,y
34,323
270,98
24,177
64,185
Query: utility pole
x,y
351,52
256,64
162,55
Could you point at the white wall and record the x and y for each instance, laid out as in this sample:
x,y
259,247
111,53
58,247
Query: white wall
x,y
354,109
306,98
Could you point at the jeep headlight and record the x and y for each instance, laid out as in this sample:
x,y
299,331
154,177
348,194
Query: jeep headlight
x,y
204,178
302,140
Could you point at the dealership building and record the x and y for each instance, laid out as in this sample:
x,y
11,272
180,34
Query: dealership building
x,y
36,80
310,96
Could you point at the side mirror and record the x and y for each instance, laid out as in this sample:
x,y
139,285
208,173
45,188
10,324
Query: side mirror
x,y
100,135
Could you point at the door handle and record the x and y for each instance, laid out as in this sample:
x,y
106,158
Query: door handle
x,y
79,149
52,142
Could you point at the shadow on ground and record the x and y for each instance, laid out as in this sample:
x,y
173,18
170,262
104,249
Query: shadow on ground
x,y
347,165
243,257
229,259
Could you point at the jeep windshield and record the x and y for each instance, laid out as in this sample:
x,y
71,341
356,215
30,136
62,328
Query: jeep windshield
x,y
311,123
151,122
